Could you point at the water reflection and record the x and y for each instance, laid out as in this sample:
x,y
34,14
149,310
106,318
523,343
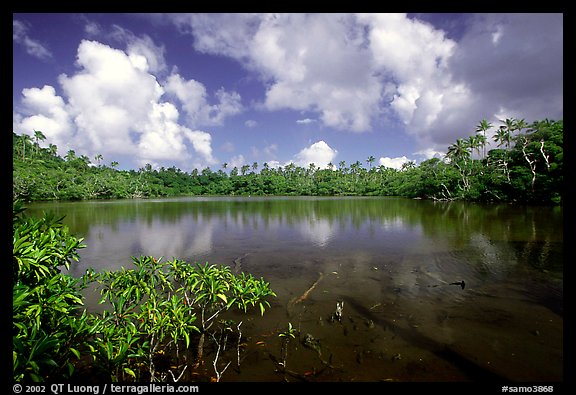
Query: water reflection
x,y
392,261
495,237
319,231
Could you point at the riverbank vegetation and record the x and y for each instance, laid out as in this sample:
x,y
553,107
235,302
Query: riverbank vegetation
x,y
158,317
526,167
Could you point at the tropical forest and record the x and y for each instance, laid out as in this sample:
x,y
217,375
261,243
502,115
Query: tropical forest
x,y
525,167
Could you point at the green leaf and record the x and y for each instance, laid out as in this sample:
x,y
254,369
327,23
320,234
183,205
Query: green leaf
x,y
130,372
261,308
223,297
75,352
70,369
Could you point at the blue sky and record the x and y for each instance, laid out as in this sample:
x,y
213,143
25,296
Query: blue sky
x,y
201,90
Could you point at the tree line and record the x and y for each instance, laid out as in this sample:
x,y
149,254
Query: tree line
x,y
526,167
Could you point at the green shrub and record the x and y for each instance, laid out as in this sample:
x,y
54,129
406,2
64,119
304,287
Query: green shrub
x,y
152,309
47,322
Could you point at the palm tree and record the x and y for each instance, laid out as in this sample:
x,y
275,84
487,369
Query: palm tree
x,y
483,127
408,165
71,155
355,167
505,132
311,169
290,169
342,167
265,169
481,142
53,149
503,136
98,158
509,124
38,135
473,144
370,161
520,124
85,160
25,139
458,150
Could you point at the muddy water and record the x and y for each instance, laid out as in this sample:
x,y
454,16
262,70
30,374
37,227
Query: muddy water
x,y
396,267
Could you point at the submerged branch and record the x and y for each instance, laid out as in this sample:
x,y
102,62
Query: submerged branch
x,y
305,294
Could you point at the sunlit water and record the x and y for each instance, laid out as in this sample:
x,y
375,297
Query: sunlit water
x,y
397,264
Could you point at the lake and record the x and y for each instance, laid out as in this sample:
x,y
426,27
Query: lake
x,y
430,291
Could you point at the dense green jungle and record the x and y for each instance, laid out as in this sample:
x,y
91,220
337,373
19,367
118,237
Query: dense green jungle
x,y
527,167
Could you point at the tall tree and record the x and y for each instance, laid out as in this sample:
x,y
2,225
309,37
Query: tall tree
x,y
370,161
509,125
39,136
25,140
503,136
98,158
458,151
53,149
483,127
458,154
474,144
71,155
519,124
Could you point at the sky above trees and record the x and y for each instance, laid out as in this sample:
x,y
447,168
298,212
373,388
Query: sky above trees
x,y
198,90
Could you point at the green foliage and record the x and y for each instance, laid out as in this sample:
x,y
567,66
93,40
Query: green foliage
x,y
526,166
290,332
154,310
150,310
40,247
214,289
47,323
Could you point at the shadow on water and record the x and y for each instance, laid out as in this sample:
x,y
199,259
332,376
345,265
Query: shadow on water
x,y
470,368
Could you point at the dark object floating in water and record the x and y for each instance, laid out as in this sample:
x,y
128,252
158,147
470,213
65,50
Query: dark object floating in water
x,y
460,283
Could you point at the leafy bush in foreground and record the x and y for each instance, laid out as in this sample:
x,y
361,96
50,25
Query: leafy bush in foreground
x,y
154,311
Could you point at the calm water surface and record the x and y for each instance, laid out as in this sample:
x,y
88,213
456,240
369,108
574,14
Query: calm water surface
x,y
390,261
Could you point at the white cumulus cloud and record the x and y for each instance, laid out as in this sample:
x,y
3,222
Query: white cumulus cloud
x,y
394,163
48,113
194,98
309,61
361,72
112,105
319,153
150,55
344,67
164,138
